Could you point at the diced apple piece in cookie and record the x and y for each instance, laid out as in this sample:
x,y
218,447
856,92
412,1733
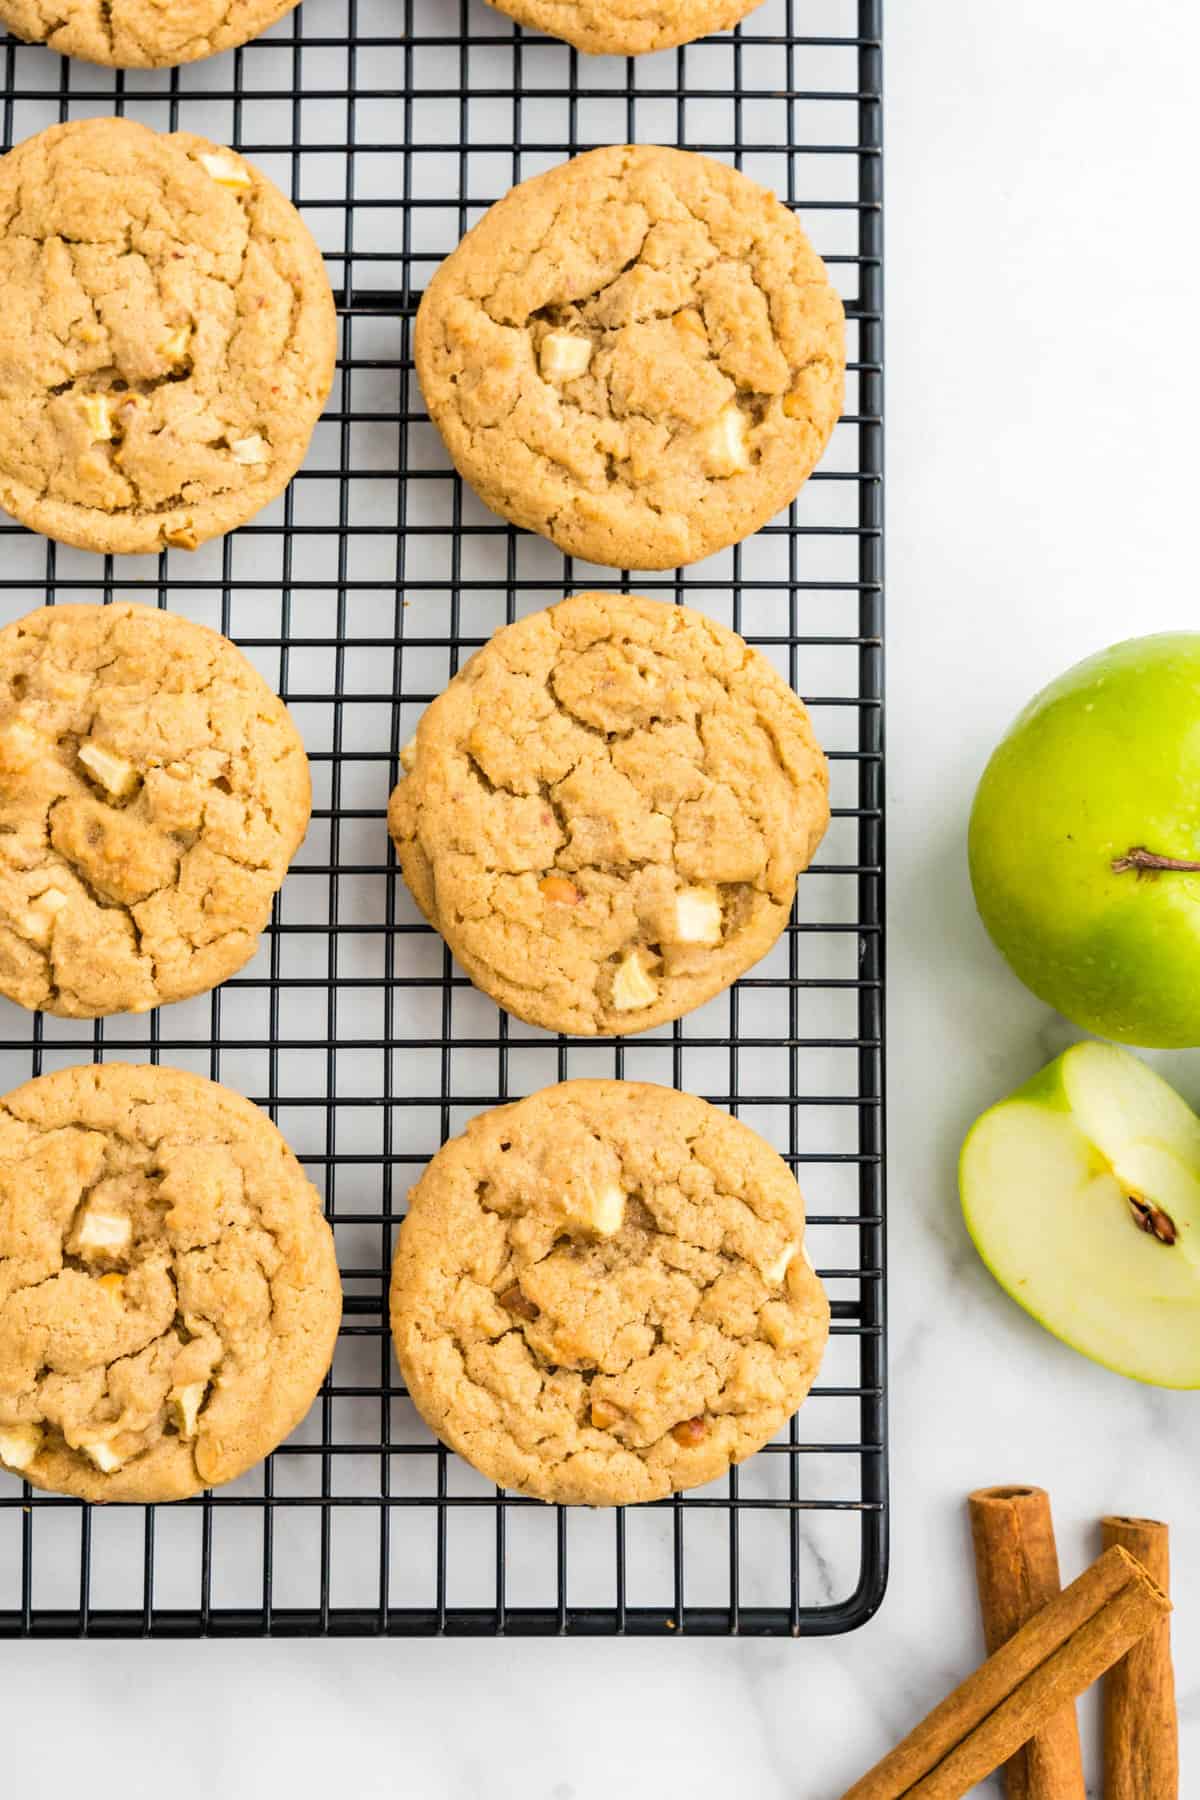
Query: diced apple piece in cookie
x,y
564,355
175,347
633,987
19,1444
97,410
184,1406
774,1271
698,916
103,1234
104,1457
226,170
116,776
725,449
250,451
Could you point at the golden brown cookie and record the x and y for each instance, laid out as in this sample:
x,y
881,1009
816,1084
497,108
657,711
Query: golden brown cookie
x,y
141,34
625,27
606,811
638,354
153,791
601,1294
166,340
169,1294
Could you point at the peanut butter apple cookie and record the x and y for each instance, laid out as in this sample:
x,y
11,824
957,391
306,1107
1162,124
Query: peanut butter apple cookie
x,y
606,811
601,1294
153,791
140,34
169,1294
625,27
638,354
166,340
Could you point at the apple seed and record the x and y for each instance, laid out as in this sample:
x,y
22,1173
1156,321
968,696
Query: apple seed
x,y
1152,1220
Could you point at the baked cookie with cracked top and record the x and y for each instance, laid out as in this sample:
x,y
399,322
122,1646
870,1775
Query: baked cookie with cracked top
x,y
169,1293
602,1294
140,34
166,342
625,27
638,354
153,791
606,811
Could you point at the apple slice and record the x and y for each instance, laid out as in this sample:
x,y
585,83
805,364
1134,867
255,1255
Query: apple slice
x,y
1082,1194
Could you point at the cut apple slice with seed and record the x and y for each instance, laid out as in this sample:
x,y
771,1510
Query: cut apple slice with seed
x,y
1082,1193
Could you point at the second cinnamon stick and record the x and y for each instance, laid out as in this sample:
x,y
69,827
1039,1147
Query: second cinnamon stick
x,y
1050,1661
1141,1726
1016,1567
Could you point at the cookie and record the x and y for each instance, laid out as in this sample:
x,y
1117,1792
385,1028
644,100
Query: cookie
x,y
169,1294
141,34
166,341
623,27
601,1294
606,811
153,791
637,354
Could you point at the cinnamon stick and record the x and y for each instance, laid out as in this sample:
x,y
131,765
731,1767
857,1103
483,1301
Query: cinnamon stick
x,y
1016,1569
1141,1726
1054,1656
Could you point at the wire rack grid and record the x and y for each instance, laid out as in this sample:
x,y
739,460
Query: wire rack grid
x,y
393,124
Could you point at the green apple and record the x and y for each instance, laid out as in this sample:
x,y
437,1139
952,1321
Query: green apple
x,y
1085,843
1082,1193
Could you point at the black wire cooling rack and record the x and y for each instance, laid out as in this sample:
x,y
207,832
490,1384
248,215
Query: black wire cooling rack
x,y
392,124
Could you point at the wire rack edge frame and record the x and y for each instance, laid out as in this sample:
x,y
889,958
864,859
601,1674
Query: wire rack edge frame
x,y
564,1618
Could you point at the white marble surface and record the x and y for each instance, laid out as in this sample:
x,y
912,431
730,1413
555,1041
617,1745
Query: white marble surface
x,y
1042,288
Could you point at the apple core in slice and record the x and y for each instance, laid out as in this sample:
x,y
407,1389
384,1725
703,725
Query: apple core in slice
x,y
1082,1194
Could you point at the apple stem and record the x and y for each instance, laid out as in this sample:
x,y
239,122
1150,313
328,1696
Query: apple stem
x,y
1148,862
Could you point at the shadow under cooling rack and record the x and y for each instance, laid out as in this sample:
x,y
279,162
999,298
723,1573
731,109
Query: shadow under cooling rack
x,y
392,124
